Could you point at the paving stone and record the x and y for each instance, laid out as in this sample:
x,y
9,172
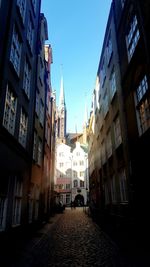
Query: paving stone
x,y
71,240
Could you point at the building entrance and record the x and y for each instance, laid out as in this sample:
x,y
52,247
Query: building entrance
x,y
79,200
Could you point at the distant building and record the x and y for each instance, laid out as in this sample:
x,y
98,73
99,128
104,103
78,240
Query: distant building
x,y
71,168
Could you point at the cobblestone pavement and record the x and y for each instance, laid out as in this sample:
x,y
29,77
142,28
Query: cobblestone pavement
x,y
70,239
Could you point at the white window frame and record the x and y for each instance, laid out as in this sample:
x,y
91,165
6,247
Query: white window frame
x,y
27,79
15,51
132,37
23,129
109,49
9,117
113,86
30,32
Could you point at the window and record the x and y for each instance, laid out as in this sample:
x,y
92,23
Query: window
x,y
112,84
81,183
109,49
81,162
3,208
37,103
142,89
61,164
74,174
34,3
41,118
35,146
41,71
77,154
30,32
75,183
74,163
113,189
132,37
105,104
123,186
103,73
81,174
39,152
142,106
117,132
27,78
61,154
122,3
108,144
15,52
22,8
23,128
103,152
67,186
17,202
10,111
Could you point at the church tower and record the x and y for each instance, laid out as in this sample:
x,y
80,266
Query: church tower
x,y
61,116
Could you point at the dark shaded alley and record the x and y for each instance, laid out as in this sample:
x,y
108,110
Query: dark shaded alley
x,y
69,239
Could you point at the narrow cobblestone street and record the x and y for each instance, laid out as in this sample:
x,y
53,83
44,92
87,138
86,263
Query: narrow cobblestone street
x,y
69,239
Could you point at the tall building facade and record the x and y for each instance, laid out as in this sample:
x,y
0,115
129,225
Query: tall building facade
x,y
17,94
27,124
119,121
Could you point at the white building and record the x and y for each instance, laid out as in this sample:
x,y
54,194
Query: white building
x,y
72,174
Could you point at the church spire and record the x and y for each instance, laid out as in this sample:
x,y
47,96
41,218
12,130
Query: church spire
x,y
61,115
62,95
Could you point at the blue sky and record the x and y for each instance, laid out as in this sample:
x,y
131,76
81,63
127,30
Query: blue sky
x,y
76,31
